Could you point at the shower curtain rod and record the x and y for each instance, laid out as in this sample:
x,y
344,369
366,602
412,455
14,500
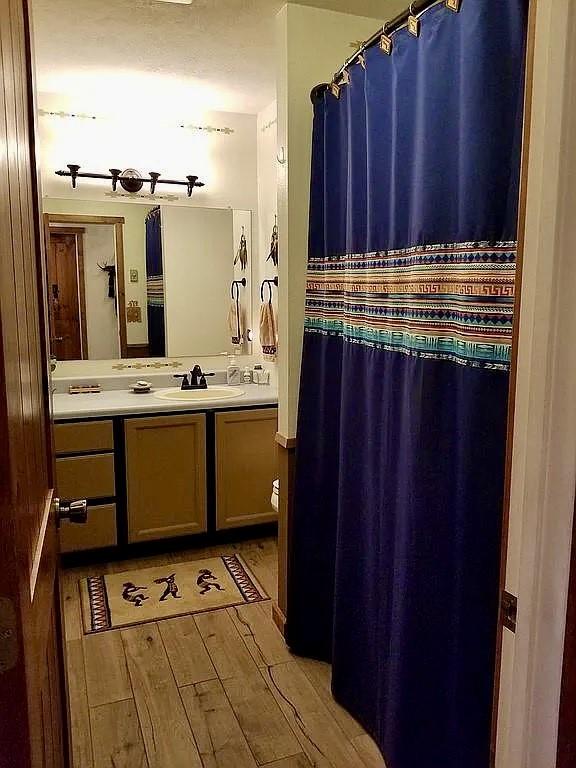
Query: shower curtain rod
x,y
417,7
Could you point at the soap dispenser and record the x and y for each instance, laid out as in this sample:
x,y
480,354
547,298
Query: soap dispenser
x,y
233,374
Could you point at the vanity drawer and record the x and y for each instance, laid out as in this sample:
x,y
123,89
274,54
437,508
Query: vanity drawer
x,y
85,477
98,532
83,437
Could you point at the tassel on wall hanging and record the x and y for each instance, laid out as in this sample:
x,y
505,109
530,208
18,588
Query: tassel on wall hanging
x,y
274,244
242,254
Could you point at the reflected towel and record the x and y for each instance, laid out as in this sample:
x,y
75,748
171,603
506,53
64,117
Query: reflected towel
x,y
268,331
236,322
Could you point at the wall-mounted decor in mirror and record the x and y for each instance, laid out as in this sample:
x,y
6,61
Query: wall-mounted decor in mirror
x,y
139,280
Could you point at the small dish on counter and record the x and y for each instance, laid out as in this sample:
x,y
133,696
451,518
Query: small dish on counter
x,y
141,387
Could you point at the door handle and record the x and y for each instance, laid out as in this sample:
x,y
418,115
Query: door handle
x,y
74,511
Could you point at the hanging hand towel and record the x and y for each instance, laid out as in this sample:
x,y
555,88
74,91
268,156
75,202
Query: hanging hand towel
x,y
236,322
268,331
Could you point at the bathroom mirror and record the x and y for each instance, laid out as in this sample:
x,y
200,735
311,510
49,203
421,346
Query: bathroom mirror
x,y
129,280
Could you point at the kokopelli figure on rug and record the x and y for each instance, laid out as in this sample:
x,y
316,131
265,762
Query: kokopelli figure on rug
x,y
207,581
171,587
133,594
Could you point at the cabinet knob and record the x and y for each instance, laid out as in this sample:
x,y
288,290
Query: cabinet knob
x,y
74,511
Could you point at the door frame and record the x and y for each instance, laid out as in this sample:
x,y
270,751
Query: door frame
x,y
118,223
512,387
543,468
78,232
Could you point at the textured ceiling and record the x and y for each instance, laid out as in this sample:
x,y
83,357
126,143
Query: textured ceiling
x,y
211,55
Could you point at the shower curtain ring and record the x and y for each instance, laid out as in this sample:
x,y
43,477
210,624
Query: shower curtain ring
x,y
413,22
386,41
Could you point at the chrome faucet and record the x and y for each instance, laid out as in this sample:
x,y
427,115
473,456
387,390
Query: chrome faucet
x,y
197,379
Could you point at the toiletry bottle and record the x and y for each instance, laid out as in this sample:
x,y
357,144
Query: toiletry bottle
x,y
233,371
256,374
247,377
264,376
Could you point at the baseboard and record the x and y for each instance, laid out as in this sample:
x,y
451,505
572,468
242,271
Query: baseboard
x,y
278,618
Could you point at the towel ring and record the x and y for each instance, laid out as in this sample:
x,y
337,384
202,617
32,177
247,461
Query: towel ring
x,y
235,288
269,283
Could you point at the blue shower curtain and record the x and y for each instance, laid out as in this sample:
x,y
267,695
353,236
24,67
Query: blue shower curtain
x,y
394,563
155,284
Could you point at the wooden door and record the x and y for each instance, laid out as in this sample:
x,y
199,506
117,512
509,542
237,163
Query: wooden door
x,y
246,466
67,295
31,712
166,476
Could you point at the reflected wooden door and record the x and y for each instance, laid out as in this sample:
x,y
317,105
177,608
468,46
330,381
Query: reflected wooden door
x,y
66,295
31,711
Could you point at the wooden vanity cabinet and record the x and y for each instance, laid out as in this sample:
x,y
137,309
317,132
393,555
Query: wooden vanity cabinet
x,y
165,476
246,466
178,481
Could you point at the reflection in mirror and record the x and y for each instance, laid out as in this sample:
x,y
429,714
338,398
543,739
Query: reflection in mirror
x,y
85,271
147,281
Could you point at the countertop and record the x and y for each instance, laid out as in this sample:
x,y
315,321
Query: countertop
x,y
122,402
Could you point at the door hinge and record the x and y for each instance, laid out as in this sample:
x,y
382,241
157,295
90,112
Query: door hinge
x,y
509,610
8,635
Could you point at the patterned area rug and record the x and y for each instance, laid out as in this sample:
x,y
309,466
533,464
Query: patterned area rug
x,y
149,594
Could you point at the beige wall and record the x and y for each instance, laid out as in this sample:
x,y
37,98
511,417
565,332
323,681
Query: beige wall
x,y
311,45
225,162
267,201
134,247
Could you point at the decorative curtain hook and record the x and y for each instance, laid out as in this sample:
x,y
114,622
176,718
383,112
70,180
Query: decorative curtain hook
x,y
386,43
413,22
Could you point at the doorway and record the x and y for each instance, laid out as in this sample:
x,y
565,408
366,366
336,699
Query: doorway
x,y
86,286
67,293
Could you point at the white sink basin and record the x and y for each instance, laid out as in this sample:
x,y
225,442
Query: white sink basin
x,y
194,395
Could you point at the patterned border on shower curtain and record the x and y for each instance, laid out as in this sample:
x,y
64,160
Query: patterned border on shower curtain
x,y
449,302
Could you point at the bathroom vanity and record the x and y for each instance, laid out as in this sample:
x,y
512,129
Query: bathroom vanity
x,y
153,469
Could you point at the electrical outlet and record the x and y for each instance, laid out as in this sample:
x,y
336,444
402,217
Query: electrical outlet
x,y
133,275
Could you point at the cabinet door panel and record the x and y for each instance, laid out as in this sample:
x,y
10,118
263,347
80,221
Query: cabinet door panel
x,y
165,476
246,466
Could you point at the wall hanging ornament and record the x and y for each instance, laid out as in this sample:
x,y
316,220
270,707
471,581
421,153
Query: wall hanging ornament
x,y
133,312
110,269
274,244
242,253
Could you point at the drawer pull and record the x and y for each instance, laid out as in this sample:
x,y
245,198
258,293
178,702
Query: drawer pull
x,y
74,511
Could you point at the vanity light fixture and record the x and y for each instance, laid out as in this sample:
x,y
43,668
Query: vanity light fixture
x,y
130,179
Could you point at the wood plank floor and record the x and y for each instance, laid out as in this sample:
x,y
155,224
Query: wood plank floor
x,y
215,690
